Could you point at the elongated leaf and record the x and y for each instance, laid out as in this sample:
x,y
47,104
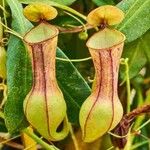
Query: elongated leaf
x,y
18,71
137,58
73,85
19,84
63,2
146,45
126,5
103,2
20,77
137,19
21,24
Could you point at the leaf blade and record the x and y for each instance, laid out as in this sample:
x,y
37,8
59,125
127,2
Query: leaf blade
x,y
137,59
137,18
71,81
23,24
63,2
103,2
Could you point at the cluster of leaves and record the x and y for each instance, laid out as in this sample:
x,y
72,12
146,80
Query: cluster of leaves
x,y
73,78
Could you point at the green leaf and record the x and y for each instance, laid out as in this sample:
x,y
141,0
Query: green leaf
x,y
18,74
63,2
21,24
126,5
137,58
58,5
145,44
74,87
20,77
137,18
103,2
19,84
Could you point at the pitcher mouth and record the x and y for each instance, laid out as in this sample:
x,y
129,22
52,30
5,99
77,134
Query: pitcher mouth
x,y
105,39
44,31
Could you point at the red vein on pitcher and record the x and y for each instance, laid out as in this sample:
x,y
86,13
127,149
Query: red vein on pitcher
x,y
99,90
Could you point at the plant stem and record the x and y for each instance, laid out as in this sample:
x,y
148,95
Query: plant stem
x,y
2,8
125,62
4,12
10,139
77,20
4,88
28,142
128,145
1,115
143,125
139,119
63,7
11,31
117,136
140,99
40,141
112,147
128,85
68,9
75,29
74,138
140,96
127,78
14,33
139,144
74,60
